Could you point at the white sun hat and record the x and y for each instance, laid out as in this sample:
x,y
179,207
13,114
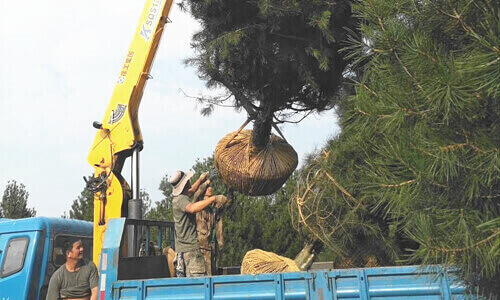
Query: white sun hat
x,y
179,179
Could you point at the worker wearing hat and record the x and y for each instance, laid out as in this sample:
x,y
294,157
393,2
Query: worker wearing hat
x,y
189,260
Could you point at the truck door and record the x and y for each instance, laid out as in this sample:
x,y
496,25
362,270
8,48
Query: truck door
x,y
57,256
15,271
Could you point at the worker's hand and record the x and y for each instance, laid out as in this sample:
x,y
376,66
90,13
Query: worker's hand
x,y
202,182
203,177
220,201
209,192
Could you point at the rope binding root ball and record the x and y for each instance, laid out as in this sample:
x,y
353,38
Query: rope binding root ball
x,y
250,170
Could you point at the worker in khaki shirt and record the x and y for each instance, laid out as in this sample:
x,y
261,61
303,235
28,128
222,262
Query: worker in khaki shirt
x,y
189,260
77,279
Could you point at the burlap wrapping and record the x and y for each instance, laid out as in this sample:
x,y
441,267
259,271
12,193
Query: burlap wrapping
x,y
170,254
258,261
250,171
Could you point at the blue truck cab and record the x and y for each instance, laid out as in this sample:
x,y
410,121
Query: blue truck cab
x,y
32,249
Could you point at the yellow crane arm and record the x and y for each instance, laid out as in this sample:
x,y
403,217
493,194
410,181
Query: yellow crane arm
x,y
119,135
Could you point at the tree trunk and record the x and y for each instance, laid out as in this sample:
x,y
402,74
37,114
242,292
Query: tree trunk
x,y
262,130
306,257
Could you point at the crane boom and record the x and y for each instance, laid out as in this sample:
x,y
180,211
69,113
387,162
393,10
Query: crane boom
x,y
119,135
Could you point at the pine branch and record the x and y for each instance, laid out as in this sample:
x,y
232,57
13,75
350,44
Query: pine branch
x,y
464,249
292,37
461,146
471,31
457,16
440,158
415,81
398,185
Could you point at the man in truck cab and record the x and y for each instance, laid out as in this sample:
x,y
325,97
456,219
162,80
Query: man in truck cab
x,y
189,260
77,278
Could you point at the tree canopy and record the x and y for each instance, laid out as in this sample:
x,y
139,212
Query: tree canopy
x,y
416,168
15,202
82,207
275,58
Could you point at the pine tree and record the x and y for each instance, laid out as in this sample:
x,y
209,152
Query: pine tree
x,y
417,163
275,58
14,202
83,206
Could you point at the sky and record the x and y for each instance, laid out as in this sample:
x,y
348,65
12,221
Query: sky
x,y
59,61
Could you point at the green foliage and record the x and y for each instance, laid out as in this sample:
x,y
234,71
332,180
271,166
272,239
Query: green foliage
x,y
82,207
146,202
14,202
251,222
417,165
275,58
162,210
322,21
263,223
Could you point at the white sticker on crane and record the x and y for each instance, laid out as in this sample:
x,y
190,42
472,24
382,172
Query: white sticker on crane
x,y
103,282
104,261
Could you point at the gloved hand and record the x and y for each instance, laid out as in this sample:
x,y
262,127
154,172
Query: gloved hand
x,y
209,192
220,201
199,186
203,177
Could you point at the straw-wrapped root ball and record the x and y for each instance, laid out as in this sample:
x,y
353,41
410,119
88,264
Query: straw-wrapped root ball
x,y
258,262
252,171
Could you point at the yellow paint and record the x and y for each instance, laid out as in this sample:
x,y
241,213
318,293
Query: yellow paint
x,y
120,131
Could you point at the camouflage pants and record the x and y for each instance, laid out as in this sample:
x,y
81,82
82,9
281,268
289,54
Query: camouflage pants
x,y
190,264
210,239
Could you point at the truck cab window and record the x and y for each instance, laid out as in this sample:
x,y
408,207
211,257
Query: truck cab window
x,y
15,254
58,251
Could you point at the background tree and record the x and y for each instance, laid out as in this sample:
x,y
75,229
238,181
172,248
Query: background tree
x,y
261,223
275,58
417,163
251,222
162,210
82,207
146,202
15,201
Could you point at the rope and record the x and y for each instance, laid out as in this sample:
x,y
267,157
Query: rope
x,y
279,131
237,132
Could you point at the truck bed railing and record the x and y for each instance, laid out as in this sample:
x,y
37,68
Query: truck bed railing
x,y
148,245
148,259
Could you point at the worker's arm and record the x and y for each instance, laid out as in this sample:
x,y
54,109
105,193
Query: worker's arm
x,y
194,187
93,295
54,287
93,281
200,193
196,207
